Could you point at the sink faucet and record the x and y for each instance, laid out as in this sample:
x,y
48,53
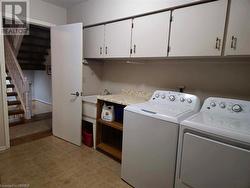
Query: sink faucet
x,y
106,92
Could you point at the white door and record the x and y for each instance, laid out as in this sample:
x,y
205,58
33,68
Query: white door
x,y
238,35
66,59
93,42
150,35
118,39
198,30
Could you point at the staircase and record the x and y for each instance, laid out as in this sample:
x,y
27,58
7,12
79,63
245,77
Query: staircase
x,y
34,49
18,88
15,109
27,52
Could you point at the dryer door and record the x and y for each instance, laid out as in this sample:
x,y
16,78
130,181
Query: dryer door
x,y
207,163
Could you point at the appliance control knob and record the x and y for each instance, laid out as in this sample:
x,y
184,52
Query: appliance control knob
x,y
237,108
189,101
163,96
222,105
171,97
157,95
182,99
213,104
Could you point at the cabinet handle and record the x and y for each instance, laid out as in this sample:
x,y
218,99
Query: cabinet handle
x,y
234,42
106,50
100,50
218,43
134,49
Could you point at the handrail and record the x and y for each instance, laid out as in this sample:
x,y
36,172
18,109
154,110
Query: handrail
x,y
21,83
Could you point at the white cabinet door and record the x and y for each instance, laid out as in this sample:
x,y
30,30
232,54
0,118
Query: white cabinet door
x,y
238,36
93,42
118,39
198,30
150,35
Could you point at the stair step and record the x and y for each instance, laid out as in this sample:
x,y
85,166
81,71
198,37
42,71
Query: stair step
x,y
10,86
35,45
12,103
18,122
15,112
8,78
33,52
40,59
11,94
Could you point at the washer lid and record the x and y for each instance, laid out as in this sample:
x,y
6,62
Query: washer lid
x,y
170,113
231,127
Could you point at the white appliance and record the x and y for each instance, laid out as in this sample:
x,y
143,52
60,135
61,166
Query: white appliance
x,y
150,136
214,149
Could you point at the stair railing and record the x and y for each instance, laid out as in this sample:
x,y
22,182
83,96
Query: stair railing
x,y
22,85
15,41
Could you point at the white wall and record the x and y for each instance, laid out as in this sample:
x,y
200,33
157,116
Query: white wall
x,y
203,77
92,78
96,11
46,12
41,85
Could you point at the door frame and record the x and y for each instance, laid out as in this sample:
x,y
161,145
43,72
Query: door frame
x,y
3,80
3,94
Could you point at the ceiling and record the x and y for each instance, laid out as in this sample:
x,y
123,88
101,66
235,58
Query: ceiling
x,y
64,3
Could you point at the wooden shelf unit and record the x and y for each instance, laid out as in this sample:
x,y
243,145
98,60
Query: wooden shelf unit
x,y
106,130
116,153
114,124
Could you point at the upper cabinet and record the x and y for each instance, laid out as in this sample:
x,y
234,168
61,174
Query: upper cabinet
x,y
118,39
238,35
150,35
191,31
93,42
198,30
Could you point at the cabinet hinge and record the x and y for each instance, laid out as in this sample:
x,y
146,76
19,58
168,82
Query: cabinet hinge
x,y
169,48
132,25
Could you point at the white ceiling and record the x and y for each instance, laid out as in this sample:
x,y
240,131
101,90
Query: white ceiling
x,y
64,3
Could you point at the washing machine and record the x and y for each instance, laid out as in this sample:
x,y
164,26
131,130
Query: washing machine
x,y
150,136
214,146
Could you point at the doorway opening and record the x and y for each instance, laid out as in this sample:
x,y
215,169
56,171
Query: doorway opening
x,y
29,85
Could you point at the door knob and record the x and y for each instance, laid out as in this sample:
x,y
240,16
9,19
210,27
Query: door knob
x,y
76,94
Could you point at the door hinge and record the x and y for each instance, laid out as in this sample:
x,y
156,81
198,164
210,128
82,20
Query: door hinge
x,y
132,25
131,51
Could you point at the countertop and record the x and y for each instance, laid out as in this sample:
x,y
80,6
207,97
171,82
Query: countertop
x,y
126,97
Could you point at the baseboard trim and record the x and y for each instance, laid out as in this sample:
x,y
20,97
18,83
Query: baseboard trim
x,y
45,102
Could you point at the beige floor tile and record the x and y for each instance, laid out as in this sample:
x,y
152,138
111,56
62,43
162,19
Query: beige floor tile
x,y
52,162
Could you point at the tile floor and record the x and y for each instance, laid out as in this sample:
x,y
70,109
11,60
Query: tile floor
x,y
52,162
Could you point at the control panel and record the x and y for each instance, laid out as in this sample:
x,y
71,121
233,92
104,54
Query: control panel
x,y
176,98
226,106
